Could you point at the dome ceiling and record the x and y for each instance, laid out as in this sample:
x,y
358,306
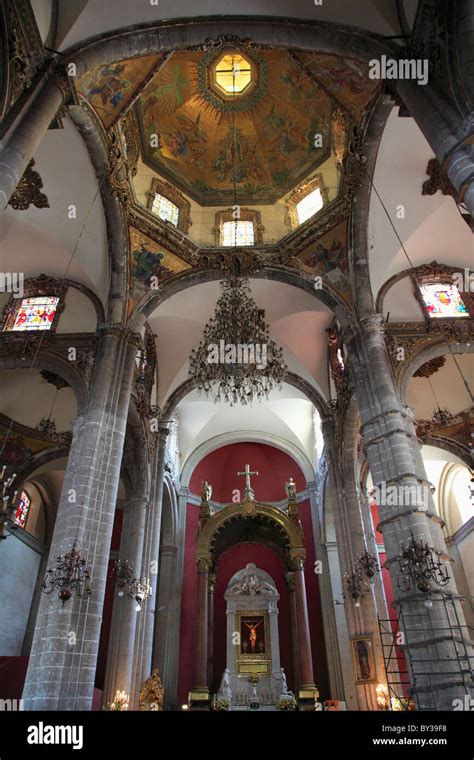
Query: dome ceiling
x,y
188,113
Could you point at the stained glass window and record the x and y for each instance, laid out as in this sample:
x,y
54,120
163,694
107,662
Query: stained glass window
x,y
23,509
309,205
35,313
165,209
443,300
237,233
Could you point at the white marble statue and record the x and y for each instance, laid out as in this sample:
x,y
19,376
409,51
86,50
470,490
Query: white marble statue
x,y
280,678
224,689
251,585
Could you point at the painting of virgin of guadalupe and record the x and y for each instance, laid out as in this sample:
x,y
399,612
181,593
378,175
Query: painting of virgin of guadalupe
x,y
363,656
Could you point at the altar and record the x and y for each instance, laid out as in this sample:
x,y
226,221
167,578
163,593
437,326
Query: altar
x,y
253,676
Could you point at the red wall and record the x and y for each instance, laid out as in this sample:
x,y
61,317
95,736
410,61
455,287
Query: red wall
x,y
220,468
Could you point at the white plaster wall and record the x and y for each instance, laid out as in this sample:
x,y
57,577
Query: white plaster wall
x,y
18,571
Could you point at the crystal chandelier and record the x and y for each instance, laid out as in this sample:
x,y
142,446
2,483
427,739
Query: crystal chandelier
x,y
71,574
236,360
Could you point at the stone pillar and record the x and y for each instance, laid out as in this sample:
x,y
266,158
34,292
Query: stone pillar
x,y
150,564
295,650
21,144
307,691
125,618
210,636
63,657
200,690
447,133
395,462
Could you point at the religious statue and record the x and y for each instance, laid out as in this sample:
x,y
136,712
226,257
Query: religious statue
x,y
252,586
151,693
290,488
224,689
253,634
206,491
280,677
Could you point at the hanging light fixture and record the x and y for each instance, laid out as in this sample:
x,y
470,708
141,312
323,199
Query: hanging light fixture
x,y
135,588
236,360
420,567
71,575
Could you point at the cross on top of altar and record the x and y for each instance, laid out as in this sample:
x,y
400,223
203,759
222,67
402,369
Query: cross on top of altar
x,y
248,490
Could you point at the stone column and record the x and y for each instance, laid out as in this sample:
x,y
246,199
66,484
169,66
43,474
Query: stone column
x,y
61,671
307,691
295,650
150,564
447,133
200,690
19,148
210,636
125,618
396,465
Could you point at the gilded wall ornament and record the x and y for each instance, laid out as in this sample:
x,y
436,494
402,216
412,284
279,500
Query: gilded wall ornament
x,y
28,191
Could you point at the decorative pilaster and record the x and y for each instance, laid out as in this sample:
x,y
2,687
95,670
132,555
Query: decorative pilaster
x,y
62,667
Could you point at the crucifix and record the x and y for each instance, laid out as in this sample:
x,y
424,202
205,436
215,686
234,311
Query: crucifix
x,y
248,491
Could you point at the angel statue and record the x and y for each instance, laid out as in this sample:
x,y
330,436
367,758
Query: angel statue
x,y
206,491
290,488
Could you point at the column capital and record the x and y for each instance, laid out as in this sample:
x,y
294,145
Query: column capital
x,y
203,564
290,579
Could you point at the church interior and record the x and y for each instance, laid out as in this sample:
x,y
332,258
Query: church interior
x,y
236,355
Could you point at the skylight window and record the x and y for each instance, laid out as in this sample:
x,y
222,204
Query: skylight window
x,y
237,233
233,74
165,209
309,205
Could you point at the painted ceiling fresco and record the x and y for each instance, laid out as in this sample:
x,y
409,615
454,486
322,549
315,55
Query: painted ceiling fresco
x,y
188,132
346,79
109,89
328,257
150,265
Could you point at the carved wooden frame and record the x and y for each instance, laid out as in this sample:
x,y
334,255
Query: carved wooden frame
x,y
245,215
167,190
313,184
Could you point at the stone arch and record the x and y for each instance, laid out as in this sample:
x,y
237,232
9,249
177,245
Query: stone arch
x,y
52,363
286,535
424,355
295,380
243,436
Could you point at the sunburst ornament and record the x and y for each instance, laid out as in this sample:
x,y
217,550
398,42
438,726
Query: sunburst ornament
x,y
236,360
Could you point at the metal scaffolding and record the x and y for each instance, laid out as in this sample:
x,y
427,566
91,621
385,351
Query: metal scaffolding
x,y
407,673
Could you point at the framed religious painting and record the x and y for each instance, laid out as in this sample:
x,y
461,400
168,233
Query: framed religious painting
x,y
253,654
363,659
